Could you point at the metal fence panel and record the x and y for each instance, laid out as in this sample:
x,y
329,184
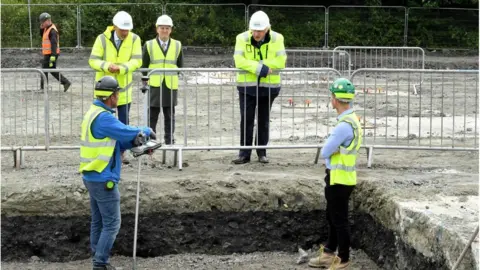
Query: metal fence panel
x,y
312,19
443,28
214,25
64,16
385,57
208,109
66,109
207,24
336,59
359,22
441,112
24,110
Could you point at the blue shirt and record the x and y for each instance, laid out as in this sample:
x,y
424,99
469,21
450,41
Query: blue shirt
x,y
342,135
107,125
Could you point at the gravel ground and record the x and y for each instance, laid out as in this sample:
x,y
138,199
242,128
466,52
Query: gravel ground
x,y
264,260
422,177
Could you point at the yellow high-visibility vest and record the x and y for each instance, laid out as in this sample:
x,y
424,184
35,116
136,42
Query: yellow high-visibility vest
x,y
159,60
95,154
128,57
247,57
343,163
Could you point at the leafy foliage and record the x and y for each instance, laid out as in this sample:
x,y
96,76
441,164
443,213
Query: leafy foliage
x,y
197,24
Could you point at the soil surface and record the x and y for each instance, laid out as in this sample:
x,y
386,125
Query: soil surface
x,y
425,201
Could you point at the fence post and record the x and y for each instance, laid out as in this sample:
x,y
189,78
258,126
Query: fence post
x,y
30,24
405,31
246,17
326,27
79,27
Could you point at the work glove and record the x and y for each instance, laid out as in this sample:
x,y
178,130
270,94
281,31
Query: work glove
x,y
153,136
52,60
145,88
264,71
140,139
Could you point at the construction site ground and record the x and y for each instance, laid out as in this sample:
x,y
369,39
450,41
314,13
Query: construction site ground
x,y
411,210
429,199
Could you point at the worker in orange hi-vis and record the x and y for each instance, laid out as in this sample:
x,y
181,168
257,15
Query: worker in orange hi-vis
x,y
51,49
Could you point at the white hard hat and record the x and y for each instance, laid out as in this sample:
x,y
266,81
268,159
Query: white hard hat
x,y
164,20
259,21
123,20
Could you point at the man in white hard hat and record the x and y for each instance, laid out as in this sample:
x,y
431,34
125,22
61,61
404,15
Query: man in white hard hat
x,y
163,52
260,52
118,52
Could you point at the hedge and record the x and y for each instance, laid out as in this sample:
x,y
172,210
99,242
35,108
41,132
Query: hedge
x,y
217,25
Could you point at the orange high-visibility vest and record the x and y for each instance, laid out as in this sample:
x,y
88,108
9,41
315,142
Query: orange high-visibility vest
x,y
46,44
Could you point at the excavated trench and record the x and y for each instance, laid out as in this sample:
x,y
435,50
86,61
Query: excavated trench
x,y
214,232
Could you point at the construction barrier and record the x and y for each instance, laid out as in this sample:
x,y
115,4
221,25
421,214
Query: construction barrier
x,y
217,24
384,57
440,113
336,59
437,114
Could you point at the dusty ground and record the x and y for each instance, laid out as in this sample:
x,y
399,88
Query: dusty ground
x,y
404,186
430,195
267,260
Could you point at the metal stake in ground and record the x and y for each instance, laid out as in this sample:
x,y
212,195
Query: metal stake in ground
x,y
136,215
466,248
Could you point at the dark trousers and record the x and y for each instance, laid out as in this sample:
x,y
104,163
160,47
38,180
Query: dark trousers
x,y
248,104
168,123
56,75
123,112
337,216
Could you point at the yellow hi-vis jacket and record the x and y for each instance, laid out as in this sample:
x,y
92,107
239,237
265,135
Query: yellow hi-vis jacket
x,y
343,163
251,59
95,154
128,57
159,60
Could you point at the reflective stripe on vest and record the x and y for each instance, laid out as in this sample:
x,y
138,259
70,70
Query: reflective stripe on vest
x,y
159,60
246,79
95,154
119,57
46,44
343,164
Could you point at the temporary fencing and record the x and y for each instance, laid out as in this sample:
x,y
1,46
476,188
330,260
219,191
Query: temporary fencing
x,y
217,24
397,109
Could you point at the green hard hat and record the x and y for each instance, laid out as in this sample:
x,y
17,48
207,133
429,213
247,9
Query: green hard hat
x,y
343,89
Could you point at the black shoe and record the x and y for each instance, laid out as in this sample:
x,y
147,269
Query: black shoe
x,y
125,159
241,160
263,159
104,267
66,86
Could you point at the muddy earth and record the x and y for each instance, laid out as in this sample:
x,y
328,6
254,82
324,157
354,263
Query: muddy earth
x,y
411,210
404,214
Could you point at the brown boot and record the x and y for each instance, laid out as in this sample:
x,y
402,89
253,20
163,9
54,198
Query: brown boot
x,y
338,265
323,260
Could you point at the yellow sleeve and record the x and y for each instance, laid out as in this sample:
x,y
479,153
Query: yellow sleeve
x,y
96,61
241,62
280,60
135,61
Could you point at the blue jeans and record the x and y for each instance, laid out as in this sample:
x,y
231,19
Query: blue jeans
x,y
106,219
123,112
